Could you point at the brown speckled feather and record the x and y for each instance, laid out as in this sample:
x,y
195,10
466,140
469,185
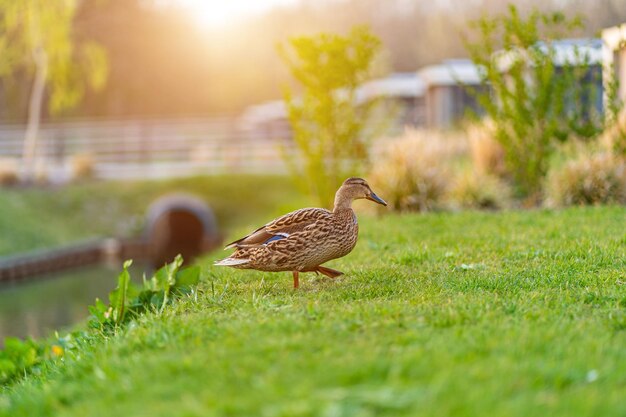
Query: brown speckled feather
x,y
329,236
284,225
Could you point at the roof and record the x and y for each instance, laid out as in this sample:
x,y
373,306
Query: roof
x,y
450,72
402,84
566,52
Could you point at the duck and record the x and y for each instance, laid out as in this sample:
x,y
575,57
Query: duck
x,y
303,240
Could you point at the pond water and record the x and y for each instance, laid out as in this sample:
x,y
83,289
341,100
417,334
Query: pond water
x,y
56,301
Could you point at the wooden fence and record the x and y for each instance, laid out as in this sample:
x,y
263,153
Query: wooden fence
x,y
152,148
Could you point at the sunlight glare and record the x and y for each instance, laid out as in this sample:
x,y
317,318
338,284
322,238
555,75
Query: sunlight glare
x,y
210,14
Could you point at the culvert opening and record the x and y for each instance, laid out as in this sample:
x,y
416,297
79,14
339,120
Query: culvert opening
x,y
179,224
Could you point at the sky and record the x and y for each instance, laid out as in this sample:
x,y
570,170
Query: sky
x,y
212,13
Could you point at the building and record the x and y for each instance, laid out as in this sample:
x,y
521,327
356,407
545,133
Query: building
x,y
614,60
402,94
449,92
572,53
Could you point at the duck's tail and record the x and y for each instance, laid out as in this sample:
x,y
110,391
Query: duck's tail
x,y
231,262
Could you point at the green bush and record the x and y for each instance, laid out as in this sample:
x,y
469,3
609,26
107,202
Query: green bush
x,y
330,129
533,103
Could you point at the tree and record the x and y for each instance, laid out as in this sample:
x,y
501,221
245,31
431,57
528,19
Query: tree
x,y
534,100
36,38
330,128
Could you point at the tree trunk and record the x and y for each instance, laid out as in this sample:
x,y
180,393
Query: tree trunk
x,y
34,114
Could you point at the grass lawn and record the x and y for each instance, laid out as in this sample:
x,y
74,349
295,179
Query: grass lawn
x,y
464,314
36,218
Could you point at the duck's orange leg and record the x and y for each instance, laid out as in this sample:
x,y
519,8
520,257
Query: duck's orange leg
x,y
296,281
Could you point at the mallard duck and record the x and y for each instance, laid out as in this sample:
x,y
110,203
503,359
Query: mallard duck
x,y
301,241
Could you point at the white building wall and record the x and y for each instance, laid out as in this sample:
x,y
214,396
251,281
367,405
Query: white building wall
x,y
614,59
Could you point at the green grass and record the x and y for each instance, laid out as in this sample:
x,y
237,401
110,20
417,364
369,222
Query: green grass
x,y
36,218
465,314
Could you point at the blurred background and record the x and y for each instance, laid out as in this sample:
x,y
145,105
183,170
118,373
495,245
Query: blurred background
x,y
126,76
145,128
185,58
195,58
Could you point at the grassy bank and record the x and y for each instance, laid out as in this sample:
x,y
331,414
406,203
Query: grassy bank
x,y
470,314
36,218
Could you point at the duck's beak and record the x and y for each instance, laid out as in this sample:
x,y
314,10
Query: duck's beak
x,y
376,199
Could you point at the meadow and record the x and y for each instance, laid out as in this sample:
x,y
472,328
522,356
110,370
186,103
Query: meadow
x,y
34,218
470,314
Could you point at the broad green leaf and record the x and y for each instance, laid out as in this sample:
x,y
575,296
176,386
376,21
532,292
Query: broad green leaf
x,y
118,297
165,278
188,276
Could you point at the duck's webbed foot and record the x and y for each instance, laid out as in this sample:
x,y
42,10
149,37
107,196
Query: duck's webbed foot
x,y
330,273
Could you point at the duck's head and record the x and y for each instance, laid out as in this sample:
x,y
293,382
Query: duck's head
x,y
354,189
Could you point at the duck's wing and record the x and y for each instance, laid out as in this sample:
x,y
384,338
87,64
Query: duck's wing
x,y
281,227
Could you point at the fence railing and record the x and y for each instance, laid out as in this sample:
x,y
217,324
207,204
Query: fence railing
x,y
153,148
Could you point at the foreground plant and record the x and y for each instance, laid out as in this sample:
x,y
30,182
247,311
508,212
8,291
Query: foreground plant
x,y
126,302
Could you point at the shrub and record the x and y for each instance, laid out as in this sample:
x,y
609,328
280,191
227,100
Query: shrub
x,y
534,103
82,166
588,180
330,130
413,172
477,190
487,153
